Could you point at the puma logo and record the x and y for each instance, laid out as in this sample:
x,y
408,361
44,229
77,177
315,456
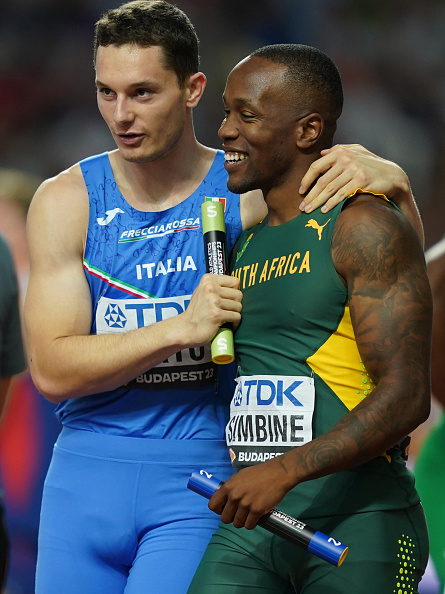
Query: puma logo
x,y
110,216
313,223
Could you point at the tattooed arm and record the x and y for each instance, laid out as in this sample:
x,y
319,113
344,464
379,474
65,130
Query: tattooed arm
x,y
379,257
382,263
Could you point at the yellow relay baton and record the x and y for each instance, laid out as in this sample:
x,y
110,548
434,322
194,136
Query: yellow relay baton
x,y
214,232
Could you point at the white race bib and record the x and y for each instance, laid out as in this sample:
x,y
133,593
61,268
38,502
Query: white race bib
x,y
269,415
189,368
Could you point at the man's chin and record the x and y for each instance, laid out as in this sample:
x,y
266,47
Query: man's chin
x,y
134,157
240,187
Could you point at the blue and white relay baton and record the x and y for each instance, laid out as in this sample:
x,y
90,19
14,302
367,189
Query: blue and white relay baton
x,y
276,521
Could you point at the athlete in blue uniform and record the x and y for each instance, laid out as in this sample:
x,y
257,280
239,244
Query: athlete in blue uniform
x,y
141,268
119,314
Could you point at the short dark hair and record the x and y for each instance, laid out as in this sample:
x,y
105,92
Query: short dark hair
x,y
152,23
311,73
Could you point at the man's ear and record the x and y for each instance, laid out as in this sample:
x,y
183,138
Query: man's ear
x,y
309,130
195,88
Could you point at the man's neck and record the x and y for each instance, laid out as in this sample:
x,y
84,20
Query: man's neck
x,y
164,182
283,201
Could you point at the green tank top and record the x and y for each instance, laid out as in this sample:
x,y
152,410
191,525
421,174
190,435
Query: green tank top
x,y
296,322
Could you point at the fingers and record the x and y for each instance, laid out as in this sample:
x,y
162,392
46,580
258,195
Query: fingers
x,y
337,155
215,301
223,292
337,174
230,300
331,188
220,284
234,510
240,516
223,280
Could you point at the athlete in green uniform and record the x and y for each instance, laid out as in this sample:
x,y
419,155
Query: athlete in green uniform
x,y
333,355
429,467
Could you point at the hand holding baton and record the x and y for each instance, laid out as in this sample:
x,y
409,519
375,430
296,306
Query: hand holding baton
x,y
296,531
214,231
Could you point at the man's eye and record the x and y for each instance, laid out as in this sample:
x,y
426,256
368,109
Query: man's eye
x,y
143,93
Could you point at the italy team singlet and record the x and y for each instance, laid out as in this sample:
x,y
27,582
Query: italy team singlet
x,y
299,367
142,267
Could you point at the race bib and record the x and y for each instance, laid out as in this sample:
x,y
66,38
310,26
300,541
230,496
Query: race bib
x,y
269,415
189,368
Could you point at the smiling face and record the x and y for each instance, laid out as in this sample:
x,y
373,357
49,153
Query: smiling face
x,y
259,129
141,102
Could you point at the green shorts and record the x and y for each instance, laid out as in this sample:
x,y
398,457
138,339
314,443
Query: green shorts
x,y
388,554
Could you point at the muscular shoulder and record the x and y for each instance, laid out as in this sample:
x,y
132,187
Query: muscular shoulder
x,y
373,239
62,188
59,209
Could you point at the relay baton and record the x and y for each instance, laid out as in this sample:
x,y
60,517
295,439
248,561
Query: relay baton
x,y
214,231
276,521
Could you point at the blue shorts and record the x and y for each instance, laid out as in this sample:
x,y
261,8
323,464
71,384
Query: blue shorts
x,y
117,515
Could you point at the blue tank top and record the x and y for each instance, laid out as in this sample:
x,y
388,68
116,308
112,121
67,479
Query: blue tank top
x,y
142,267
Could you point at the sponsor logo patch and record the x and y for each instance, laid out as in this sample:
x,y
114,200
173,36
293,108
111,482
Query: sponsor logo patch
x,y
269,415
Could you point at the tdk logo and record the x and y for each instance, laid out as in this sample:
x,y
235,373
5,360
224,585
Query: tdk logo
x,y
238,396
124,315
148,312
114,316
264,392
